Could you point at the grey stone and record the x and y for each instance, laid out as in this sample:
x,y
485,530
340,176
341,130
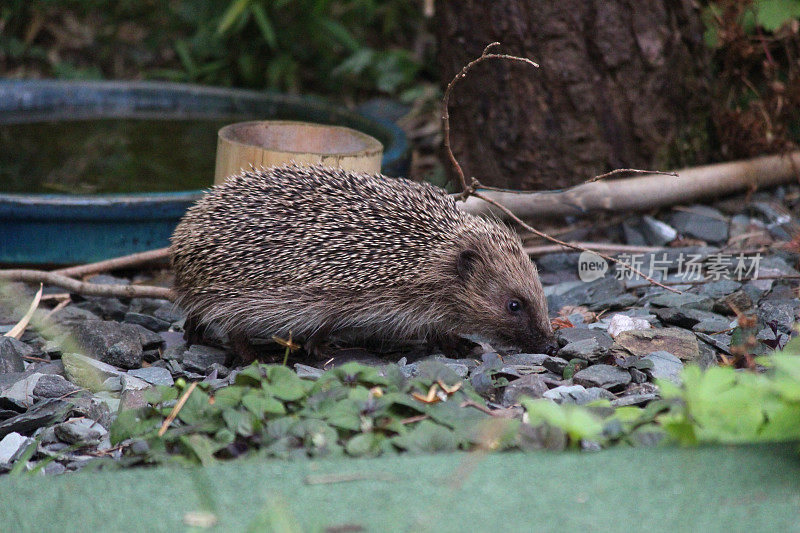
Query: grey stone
x,y
712,325
11,446
738,300
72,314
721,341
587,349
633,234
54,468
112,384
41,414
567,335
555,364
154,375
129,382
171,338
21,392
217,370
601,290
11,353
150,322
108,308
782,314
673,340
199,358
604,376
529,385
132,399
54,386
719,289
169,313
52,348
577,394
174,352
530,359
701,222
665,366
637,376
634,399
655,232
686,299
685,317
149,339
110,342
81,431
86,372
308,372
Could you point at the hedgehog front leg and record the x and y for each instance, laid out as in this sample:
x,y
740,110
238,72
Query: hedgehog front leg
x,y
316,344
243,348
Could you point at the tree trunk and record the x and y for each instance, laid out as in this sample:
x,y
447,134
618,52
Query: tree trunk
x,y
620,85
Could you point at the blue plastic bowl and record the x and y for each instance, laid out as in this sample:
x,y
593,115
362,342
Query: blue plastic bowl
x,y
63,229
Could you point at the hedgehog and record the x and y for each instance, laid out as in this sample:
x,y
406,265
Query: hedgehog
x,y
318,253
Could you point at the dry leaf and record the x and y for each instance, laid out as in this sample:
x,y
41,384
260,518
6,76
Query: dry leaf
x,y
17,331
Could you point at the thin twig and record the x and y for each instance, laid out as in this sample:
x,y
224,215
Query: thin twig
x,y
125,261
61,305
446,102
608,258
630,171
176,409
89,289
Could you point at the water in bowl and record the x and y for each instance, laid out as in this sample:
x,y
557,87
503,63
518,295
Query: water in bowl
x,y
115,155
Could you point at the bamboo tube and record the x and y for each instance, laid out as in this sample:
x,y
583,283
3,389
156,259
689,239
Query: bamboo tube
x,y
270,143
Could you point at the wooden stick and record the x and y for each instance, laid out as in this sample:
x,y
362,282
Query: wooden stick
x,y
646,192
89,289
126,261
599,246
176,409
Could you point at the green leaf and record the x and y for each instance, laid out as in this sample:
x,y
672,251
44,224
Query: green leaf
x,y
202,447
160,394
339,34
364,444
264,25
234,11
238,422
285,385
773,14
229,396
129,424
261,405
427,436
578,422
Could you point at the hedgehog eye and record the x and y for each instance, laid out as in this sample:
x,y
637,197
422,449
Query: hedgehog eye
x,y
514,306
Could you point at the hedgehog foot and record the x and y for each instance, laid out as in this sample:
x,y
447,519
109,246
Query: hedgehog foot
x,y
243,348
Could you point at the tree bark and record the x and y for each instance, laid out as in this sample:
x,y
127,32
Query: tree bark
x,y
620,83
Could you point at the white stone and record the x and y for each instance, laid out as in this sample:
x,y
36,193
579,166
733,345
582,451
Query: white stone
x,y
620,323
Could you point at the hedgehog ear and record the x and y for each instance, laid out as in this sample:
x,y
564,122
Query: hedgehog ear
x,y
466,262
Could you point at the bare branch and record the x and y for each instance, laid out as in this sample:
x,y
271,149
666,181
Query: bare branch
x,y
89,289
126,261
446,102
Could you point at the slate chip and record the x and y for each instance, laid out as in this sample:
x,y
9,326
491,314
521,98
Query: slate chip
x,y
603,376
12,352
111,342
